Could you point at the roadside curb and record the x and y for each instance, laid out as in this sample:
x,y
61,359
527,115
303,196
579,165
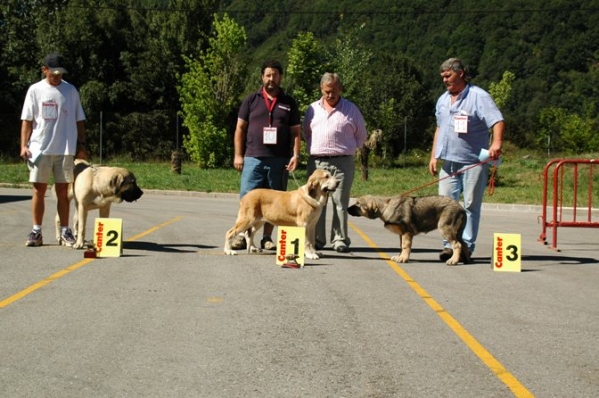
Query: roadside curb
x,y
200,194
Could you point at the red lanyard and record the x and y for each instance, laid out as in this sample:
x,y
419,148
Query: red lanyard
x,y
269,105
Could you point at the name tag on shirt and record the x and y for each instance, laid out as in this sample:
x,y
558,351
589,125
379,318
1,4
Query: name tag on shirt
x,y
460,123
49,111
269,135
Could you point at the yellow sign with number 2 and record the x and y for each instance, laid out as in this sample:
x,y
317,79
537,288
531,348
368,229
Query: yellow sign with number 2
x,y
108,237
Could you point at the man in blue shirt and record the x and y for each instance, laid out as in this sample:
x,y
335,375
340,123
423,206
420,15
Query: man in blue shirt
x,y
465,113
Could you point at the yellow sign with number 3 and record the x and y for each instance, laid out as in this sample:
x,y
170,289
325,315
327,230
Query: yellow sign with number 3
x,y
507,253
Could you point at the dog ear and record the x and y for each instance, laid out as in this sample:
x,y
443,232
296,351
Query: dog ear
x,y
372,209
376,206
311,187
392,211
115,183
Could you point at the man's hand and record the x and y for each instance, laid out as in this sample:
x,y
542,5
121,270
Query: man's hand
x,y
432,166
238,163
25,154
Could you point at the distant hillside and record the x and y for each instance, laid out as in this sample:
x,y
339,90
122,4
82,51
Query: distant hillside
x,y
551,47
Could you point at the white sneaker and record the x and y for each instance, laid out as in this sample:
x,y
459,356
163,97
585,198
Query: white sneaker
x,y
67,238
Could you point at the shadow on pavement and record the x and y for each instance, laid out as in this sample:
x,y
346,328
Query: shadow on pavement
x,y
164,248
13,198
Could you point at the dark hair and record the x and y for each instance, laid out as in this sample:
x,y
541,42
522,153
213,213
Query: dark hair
x,y
271,63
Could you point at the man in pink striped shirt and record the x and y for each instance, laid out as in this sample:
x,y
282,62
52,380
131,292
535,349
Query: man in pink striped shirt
x,y
334,130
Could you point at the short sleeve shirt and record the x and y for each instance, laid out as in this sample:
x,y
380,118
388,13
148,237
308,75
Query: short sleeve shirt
x,y
54,111
285,115
477,107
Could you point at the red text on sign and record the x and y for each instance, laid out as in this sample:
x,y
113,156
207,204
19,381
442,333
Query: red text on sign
x,y
283,245
499,252
99,235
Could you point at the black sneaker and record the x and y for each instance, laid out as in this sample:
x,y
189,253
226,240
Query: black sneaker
x,y
446,254
342,249
267,244
34,239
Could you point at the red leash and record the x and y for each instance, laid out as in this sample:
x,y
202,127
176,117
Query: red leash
x,y
491,180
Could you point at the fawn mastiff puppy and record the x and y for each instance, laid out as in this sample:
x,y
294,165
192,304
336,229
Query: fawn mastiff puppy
x,y
300,208
408,216
97,187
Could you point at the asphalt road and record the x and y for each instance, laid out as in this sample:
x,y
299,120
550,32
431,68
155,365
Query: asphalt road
x,y
175,317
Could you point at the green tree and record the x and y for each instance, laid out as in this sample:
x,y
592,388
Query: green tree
x,y
209,93
123,56
388,89
351,59
305,67
562,130
501,91
396,102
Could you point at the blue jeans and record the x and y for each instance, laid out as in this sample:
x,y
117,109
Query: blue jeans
x,y
263,173
472,184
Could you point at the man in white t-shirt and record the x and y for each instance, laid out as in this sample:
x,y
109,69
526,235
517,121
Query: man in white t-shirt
x,y
52,135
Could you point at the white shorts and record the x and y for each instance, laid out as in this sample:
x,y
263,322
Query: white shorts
x,y
60,167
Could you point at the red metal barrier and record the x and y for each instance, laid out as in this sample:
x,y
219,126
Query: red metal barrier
x,y
560,210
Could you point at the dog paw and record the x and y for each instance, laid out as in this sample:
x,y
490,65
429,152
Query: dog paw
x,y
254,249
312,256
230,252
399,259
451,261
79,245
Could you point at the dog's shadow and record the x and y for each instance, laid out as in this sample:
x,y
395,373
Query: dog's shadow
x,y
393,251
164,248
544,260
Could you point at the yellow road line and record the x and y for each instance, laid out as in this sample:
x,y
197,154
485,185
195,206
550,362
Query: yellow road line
x,y
153,229
17,296
485,356
6,302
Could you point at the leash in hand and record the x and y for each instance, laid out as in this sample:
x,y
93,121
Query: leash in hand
x,y
294,179
491,180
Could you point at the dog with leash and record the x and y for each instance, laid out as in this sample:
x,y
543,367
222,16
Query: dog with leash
x,y
300,208
97,187
408,216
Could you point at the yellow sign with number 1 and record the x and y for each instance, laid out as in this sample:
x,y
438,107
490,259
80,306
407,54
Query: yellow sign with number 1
x,y
290,246
507,254
108,237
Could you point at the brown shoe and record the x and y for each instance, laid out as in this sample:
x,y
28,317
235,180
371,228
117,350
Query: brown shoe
x,y
446,254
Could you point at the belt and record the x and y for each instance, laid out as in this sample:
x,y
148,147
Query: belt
x,y
318,157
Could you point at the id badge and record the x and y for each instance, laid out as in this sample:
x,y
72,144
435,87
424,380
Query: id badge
x,y
269,135
49,111
460,124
